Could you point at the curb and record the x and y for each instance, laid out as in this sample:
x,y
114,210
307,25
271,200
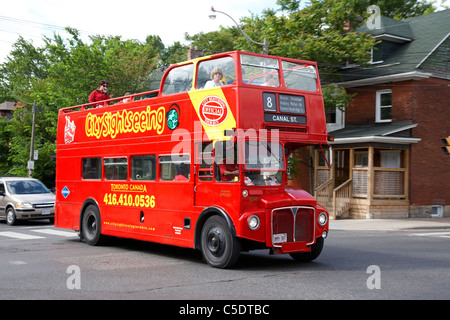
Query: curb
x,y
390,224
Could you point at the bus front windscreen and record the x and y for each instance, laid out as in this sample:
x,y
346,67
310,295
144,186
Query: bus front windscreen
x,y
264,164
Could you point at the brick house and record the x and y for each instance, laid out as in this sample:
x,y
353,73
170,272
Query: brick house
x,y
6,109
387,157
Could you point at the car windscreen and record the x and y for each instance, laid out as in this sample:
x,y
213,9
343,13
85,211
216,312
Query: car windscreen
x,y
26,187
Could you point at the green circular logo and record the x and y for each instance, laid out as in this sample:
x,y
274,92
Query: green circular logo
x,y
172,119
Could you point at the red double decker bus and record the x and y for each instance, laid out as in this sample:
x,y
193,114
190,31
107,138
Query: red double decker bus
x,y
199,163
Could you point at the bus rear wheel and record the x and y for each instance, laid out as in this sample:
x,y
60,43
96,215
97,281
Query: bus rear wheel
x,y
219,247
91,226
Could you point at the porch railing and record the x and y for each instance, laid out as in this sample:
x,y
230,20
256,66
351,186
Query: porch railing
x,y
341,199
324,194
387,183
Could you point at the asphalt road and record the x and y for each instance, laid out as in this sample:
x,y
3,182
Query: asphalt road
x,y
38,261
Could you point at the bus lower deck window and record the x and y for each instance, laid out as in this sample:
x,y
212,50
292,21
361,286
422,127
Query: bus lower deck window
x,y
143,167
116,168
92,168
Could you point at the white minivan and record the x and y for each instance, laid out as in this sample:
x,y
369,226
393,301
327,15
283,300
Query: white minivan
x,y
25,198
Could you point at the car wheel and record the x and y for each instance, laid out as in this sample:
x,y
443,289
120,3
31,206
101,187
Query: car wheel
x,y
11,218
219,247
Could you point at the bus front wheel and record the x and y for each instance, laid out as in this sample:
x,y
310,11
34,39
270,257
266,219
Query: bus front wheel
x,y
316,249
219,247
91,226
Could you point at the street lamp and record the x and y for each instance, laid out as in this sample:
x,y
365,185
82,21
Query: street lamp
x,y
265,44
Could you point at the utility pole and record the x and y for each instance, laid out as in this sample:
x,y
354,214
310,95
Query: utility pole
x,y
30,165
33,125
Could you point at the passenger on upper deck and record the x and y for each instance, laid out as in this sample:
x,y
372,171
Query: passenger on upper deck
x,y
270,80
125,100
216,76
101,93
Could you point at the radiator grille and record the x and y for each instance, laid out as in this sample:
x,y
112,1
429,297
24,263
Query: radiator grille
x,y
292,224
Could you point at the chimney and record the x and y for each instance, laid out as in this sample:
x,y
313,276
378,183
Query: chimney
x,y
193,53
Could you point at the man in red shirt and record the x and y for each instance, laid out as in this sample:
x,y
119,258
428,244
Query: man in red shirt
x,y
101,93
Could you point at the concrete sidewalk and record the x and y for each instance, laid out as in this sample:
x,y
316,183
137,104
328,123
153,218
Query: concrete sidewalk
x,y
391,224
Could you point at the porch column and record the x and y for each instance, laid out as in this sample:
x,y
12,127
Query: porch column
x,y
370,177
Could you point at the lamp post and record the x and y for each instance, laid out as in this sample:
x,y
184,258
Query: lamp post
x,y
265,44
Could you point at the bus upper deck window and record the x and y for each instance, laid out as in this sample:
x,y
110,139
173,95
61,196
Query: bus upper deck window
x,y
300,76
225,65
260,71
179,79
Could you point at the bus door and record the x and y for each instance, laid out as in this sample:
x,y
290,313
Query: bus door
x,y
204,173
217,174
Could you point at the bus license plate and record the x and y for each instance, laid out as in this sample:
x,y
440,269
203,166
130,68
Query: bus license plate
x,y
45,212
280,238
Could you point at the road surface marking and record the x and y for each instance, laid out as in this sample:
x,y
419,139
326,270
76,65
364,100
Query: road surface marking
x,y
21,236
56,232
433,234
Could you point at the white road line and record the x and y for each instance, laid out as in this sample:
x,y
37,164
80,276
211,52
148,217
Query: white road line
x,y
56,232
21,236
433,234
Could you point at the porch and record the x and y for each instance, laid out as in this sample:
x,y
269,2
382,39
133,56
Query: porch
x,y
369,175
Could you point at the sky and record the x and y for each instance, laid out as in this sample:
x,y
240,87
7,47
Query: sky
x,y
131,19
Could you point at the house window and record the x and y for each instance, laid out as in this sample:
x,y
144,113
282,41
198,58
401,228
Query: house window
x,y
376,55
383,106
330,116
390,158
361,159
335,119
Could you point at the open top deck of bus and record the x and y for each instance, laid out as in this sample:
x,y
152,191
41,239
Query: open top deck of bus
x,y
273,92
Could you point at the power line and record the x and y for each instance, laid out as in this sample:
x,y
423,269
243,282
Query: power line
x,y
40,25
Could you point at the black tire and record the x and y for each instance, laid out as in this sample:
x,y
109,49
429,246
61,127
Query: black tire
x,y
219,247
91,226
11,218
316,249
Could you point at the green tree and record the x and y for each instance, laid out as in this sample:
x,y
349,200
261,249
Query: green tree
x,y
215,41
60,74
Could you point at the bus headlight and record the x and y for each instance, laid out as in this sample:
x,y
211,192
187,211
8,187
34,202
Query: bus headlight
x,y
253,222
322,218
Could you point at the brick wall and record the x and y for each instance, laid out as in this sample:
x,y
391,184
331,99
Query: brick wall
x,y
430,167
426,102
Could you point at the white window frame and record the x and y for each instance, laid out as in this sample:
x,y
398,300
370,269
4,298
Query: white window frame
x,y
371,58
378,106
339,123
